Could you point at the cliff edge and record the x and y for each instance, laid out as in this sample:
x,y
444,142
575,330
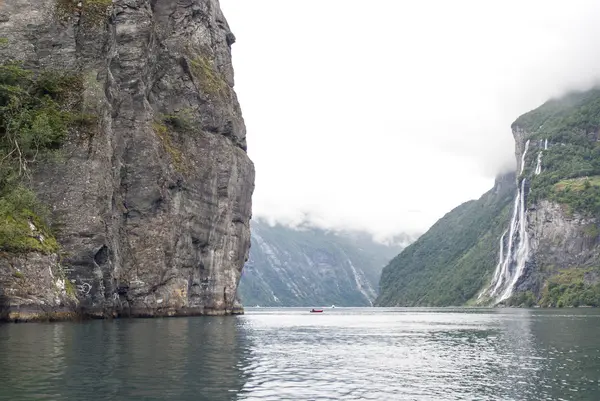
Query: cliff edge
x,y
134,196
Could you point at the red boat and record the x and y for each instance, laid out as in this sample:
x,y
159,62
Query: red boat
x,y
316,310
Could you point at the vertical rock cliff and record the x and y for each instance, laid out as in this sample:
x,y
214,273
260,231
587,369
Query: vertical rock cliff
x,y
149,191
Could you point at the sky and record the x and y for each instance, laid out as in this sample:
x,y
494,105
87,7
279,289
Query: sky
x,y
383,115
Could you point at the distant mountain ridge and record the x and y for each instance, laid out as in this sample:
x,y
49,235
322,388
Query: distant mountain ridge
x,y
307,266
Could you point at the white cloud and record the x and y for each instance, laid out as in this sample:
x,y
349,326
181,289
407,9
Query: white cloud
x,y
384,115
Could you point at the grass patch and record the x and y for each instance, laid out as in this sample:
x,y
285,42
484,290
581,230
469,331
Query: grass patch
x,y
70,288
94,13
162,131
577,184
204,71
22,224
3,41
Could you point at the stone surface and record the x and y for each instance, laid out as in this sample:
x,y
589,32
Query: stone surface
x,y
153,203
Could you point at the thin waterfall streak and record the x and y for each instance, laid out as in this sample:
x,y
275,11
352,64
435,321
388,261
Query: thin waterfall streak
x,y
523,157
501,256
498,266
538,168
546,144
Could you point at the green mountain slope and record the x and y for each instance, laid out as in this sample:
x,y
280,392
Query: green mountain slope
x,y
551,247
454,259
312,267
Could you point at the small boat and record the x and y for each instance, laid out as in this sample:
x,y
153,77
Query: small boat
x,y
316,310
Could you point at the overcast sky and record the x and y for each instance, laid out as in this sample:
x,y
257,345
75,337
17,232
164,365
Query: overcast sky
x,y
386,114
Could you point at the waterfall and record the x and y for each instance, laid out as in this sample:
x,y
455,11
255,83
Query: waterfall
x,y
511,265
523,157
523,249
538,168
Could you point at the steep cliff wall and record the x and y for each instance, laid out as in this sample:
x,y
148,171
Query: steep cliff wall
x,y
149,192
560,183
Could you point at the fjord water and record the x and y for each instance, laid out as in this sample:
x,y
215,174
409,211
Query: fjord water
x,y
290,354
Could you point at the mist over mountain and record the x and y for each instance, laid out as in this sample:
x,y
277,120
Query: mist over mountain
x,y
308,266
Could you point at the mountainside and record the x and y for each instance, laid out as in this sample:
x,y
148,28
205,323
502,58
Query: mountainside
x,y
311,267
450,262
546,238
125,187
555,259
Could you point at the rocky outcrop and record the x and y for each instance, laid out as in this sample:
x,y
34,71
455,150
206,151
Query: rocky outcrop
x,y
151,199
559,240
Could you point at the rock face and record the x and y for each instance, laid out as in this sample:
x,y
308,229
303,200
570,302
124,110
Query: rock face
x,y
558,241
152,201
309,266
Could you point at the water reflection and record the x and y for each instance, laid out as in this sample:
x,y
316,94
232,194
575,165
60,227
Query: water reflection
x,y
346,354
155,359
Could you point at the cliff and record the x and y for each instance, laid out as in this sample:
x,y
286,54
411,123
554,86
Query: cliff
x,y
309,266
125,187
539,244
450,262
556,257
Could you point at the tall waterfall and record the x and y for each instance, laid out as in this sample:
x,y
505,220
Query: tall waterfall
x,y
511,264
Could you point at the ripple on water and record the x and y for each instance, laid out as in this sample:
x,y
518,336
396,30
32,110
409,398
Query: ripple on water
x,y
346,354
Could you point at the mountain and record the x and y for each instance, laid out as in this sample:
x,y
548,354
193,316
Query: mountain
x,y
450,262
542,247
125,186
308,266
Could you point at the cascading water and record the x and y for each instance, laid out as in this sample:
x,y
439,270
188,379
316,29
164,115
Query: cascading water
x,y
512,264
538,168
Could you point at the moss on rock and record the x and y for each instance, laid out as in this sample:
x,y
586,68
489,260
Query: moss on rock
x,y
209,79
162,131
93,13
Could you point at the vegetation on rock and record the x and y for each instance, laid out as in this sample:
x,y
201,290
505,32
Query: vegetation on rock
x,y
93,12
209,78
571,165
572,287
35,118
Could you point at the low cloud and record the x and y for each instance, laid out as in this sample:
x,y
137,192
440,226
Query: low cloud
x,y
360,114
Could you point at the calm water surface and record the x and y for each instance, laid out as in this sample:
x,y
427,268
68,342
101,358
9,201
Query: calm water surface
x,y
290,354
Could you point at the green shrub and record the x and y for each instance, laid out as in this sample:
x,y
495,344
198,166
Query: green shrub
x,y
569,288
36,113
